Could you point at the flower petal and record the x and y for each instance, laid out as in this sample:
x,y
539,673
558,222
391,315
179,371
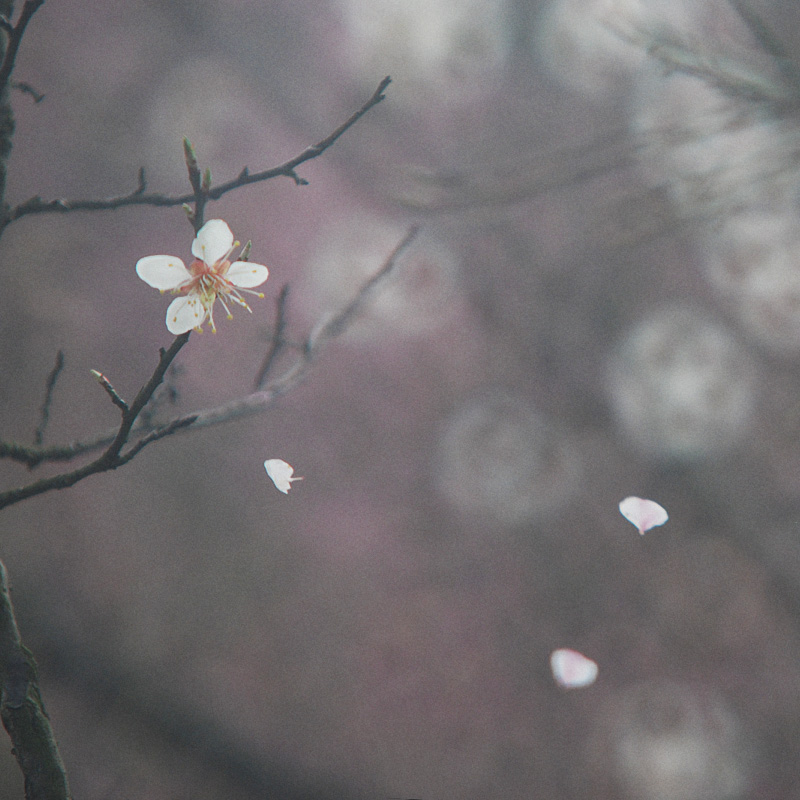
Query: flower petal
x,y
246,275
162,272
571,669
644,514
280,473
185,313
214,241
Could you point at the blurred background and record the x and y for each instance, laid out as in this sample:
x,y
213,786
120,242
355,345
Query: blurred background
x,y
603,301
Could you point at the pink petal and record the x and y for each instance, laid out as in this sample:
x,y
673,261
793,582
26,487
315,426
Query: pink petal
x,y
162,272
571,669
214,241
246,275
644,514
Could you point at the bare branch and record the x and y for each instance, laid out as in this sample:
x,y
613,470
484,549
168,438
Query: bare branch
x,y
33,456
289,167
276,342
44,415
36,205
338,324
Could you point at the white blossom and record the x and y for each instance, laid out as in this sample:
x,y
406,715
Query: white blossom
x,y
210,277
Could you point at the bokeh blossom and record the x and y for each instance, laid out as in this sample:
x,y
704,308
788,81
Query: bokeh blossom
x,y
210,277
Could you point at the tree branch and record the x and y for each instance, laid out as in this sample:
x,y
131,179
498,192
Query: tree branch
x,y
36,205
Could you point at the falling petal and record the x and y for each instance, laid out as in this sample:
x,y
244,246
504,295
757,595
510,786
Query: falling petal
x,y
571,669
643,514
281,474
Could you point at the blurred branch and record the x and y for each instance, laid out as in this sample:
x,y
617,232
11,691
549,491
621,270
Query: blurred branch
x,y
488,185
277,341
15,34
23,713
505,184
138,197
26,88
732,76
769,43
44,416
253,403
150,700
9,46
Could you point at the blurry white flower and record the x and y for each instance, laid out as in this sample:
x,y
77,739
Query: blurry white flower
x,y
681,386
281,474
715,153
498,457
434,49
643,514
753,260
571,669
210,277
665,741
577,42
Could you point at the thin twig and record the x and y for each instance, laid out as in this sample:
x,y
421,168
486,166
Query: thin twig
x,y
44,415
277,341
36,205
198,184
109,389
26,88
154,436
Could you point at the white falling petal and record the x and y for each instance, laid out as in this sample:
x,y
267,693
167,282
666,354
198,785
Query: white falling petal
x,y
643,514
571,669
280,474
